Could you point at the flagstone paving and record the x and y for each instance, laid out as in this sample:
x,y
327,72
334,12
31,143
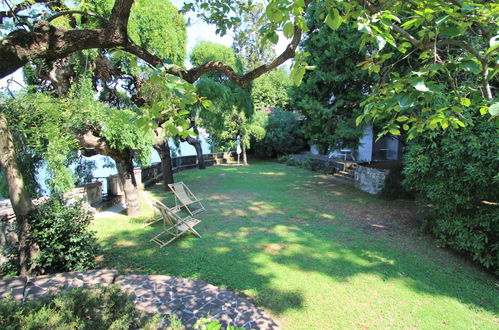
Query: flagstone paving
x,y
189,300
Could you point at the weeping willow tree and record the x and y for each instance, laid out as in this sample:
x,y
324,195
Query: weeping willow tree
x,y
232,113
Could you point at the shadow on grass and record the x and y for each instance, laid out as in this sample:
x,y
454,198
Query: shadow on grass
x,y
260,227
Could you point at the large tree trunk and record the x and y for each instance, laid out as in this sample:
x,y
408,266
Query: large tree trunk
x,y
196,143
163,149
127,178
19,197
124,164
243,152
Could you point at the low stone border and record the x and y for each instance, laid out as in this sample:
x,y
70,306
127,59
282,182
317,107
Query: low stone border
x,y
189,300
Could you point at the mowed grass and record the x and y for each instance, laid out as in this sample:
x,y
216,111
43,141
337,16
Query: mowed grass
x,y
312,252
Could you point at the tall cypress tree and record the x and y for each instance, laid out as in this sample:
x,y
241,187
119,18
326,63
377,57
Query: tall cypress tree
x,y
329,96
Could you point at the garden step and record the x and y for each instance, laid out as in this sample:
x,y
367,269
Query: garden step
x,y
343,178
348,173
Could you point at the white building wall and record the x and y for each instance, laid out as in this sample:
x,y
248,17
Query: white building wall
x,y
365,150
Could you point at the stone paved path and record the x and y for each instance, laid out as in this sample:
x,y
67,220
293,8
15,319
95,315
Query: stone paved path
x,y
110,212
187,299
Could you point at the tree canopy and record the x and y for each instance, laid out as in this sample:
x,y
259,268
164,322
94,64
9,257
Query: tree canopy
x,y
329,96
272,90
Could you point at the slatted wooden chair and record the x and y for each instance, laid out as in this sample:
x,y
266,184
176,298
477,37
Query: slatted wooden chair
x,y
174,226
152,202
185,198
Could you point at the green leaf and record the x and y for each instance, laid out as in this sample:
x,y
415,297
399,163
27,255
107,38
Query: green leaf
x,y
471,66
297,75
333,19
465,101
494,44
394,131
494,110
494,41
358,120
402,118
300,3
413,22
441,20
420,85
288,30
273,37
381,42
451,31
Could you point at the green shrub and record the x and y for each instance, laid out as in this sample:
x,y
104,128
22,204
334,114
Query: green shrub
x,y
82,308
393,188
309,164
60,229
455,171
291,161
283,159
282,135
329,170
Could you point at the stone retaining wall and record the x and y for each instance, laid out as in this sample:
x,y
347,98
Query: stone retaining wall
x,y
318,162
370,180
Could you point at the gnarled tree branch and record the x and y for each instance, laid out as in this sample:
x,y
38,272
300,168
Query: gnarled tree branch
x,y
50,42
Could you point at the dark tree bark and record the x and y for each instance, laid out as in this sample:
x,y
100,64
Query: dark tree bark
x,y
163,149
19,197
124,165
196,143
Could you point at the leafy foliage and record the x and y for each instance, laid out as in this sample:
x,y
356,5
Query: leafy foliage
x,y
247,42
451,66
329,96
271,90
232,112
48,126
61,229
456,173
443,40
207,51
158,26
81,308
41,125
282,135
155,25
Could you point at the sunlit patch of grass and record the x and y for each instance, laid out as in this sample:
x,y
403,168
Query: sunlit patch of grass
x,y
311,252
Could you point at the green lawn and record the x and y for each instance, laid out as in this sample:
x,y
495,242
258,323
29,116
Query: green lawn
x,y
312,252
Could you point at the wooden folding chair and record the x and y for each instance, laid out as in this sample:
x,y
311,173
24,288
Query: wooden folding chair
x,y
174,225
185,198
152,202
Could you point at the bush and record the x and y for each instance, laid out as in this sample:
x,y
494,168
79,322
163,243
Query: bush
x,y
393,188
283,159
101,308
60,229
282,135
455,171
291,161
